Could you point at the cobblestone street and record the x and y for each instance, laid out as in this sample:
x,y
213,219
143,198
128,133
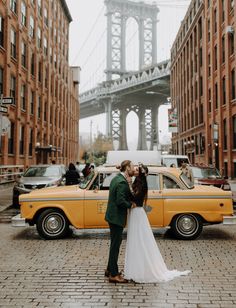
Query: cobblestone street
x,y
69,272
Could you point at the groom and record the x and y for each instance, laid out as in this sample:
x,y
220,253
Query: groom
x,y
120,199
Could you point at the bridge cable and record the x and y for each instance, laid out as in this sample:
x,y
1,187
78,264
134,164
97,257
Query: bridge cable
x,y
89,34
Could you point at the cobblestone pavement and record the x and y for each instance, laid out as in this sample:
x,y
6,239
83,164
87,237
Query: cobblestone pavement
x,y
70,272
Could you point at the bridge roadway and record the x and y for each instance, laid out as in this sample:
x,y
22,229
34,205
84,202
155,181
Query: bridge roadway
x,y
129,90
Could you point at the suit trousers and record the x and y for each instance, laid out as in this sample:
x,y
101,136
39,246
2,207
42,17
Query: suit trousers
x,y
115,242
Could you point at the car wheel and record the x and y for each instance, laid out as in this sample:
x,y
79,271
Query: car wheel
x,y
186,226
52,224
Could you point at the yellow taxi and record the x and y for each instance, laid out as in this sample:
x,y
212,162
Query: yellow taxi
x,y
173,202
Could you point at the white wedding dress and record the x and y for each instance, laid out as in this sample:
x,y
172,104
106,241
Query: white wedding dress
x,y
143,260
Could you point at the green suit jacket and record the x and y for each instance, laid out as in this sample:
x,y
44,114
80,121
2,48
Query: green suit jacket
x,y
119,201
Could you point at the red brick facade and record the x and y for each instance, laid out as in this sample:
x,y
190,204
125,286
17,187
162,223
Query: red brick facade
x,y
42,123
203,85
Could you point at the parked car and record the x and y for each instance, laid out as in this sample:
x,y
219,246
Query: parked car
x,y
172,202
36,177
207,175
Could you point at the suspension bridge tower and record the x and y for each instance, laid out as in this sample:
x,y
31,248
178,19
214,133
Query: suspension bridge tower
x,y
118,107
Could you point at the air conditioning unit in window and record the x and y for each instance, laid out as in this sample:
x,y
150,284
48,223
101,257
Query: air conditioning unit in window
x,y
229,29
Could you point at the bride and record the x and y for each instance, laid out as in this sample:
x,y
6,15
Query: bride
x,y
143,260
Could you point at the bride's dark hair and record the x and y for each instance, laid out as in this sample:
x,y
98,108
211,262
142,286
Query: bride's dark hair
x,y
140,186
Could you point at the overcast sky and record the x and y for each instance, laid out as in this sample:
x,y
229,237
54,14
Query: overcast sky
x,y
88,50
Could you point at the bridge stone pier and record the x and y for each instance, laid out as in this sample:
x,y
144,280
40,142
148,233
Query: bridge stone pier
x,y
142,91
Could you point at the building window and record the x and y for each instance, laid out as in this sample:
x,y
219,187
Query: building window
x,y
23,53
39,38
223,91
234,169
216,95
234,131
231,42
233,96
23,13
39,107
209,29
45,46
31,27
32,65
46,16
201,113
46,78
13,43
1,31
45,112
226,168
11,139
30,142
224,134
13,87
223,49
215,57
201,86
39,7
231,4
1,80
32,102
209,100
200,56
200,28
40,71
13,6
223,10
23,96
215,20
21,139
209,65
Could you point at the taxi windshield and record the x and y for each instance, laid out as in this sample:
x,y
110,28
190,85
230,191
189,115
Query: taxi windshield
x,y
186,181
85,182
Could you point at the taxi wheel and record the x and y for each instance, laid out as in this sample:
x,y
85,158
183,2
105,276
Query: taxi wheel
x,y
186,226
52,224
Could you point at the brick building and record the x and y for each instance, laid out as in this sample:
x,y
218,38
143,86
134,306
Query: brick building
x,y
203,84
42,124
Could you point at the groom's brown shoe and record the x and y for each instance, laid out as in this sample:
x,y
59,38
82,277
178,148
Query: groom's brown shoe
x,y
117,279
108,274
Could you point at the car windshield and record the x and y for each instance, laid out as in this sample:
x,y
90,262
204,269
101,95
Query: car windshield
x,y
44,171
206,173
186,181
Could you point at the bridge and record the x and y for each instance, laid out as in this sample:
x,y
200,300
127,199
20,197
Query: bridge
x,y
142,91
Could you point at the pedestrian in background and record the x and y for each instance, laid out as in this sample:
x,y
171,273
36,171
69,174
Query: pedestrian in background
x,y
186,169
72,176
86,170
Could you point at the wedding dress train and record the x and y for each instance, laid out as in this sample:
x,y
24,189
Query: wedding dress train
x,y
143,260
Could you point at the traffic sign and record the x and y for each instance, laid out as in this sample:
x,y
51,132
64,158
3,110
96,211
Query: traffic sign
x,y
7,100
3,109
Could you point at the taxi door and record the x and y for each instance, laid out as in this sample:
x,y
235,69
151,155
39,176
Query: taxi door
x,y
95,202
155,202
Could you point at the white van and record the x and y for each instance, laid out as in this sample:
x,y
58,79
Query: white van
x,y
146,157
168,160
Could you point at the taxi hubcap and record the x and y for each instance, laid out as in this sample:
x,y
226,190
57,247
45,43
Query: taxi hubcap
x,y
53,224
187,224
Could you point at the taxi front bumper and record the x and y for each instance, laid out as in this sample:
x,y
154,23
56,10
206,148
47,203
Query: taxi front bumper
x,y
18,221
229,220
